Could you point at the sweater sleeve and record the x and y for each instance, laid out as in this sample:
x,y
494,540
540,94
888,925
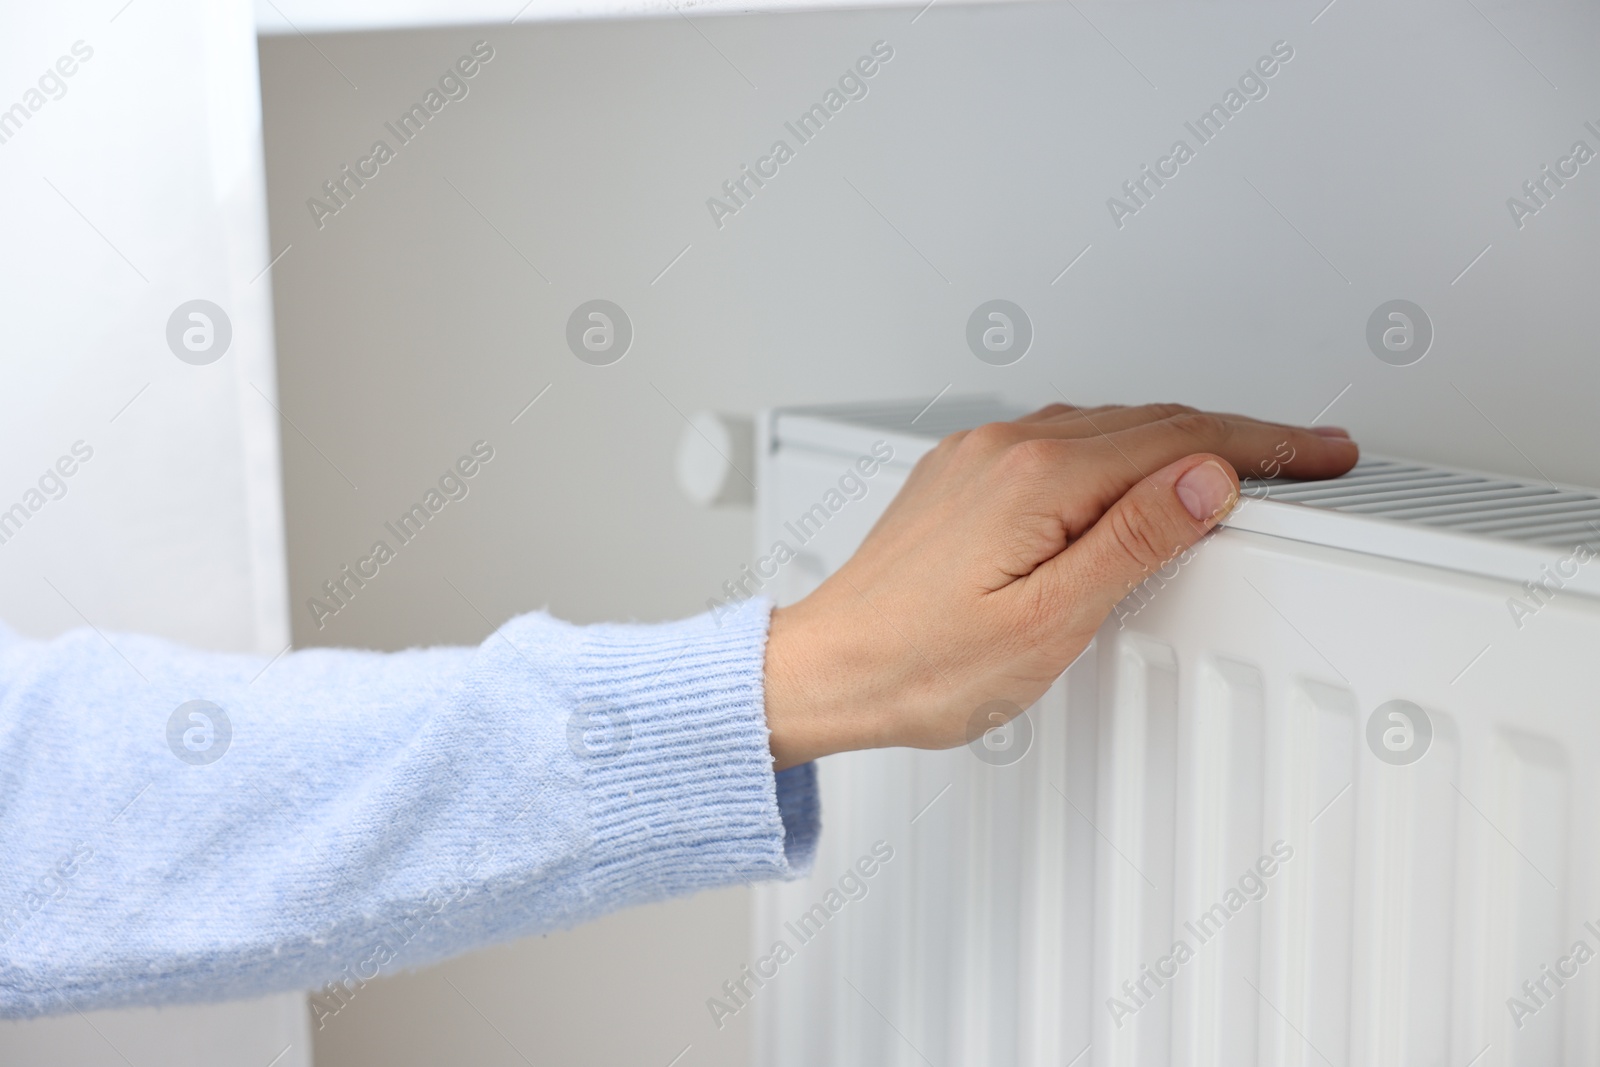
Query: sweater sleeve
x,y
182,826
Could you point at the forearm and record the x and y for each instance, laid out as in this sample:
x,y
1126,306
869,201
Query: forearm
x,y
371,811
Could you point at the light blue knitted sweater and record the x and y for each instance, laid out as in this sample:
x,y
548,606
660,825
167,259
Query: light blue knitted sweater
x,y
361,812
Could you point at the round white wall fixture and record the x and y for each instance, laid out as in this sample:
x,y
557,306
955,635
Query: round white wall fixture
x,y
716,459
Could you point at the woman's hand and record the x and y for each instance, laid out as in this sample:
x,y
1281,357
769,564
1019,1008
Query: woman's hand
x,y
998,561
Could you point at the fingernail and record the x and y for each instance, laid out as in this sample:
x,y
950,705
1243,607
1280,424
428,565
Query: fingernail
x,y
1206,491
1331,431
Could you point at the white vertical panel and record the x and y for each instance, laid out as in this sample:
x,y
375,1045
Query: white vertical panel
x,y
1042,1007
1222,781
1319,884
978,958
848,782
870,941
1526,808
989,1001
138,189
1135,861
1380,922
1079,786
1430,928
933,859
895,908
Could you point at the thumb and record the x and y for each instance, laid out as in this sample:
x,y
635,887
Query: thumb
x,y
1154,521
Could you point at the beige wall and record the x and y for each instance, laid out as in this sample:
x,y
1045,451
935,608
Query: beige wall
x,y
630,988
416,321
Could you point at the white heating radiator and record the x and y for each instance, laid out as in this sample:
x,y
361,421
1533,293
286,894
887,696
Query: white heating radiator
x,y
1224,769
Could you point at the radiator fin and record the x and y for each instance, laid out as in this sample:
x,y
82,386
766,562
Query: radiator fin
x,y
1325,869
1526,827
1423,1019
1223,783
1139,795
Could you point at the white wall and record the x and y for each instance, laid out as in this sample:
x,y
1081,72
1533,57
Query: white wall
x,y
432,308
130,187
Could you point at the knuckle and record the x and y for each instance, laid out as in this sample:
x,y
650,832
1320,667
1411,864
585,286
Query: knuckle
x,y
1052,410
1137,536
1201,425
990,437
1172,411
1031,459
1043,609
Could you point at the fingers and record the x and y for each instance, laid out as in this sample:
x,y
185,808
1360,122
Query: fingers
x,y
1098,471
1070,420
1090,470
1153,523
1257,448
1067,422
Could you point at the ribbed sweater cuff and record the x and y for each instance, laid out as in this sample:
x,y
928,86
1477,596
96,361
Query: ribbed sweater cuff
x,y
676,762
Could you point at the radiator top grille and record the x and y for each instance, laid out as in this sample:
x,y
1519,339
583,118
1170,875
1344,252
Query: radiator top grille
x,y
1461,501
1468,521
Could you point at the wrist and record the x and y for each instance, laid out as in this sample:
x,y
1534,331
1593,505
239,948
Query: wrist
x,y
819,691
